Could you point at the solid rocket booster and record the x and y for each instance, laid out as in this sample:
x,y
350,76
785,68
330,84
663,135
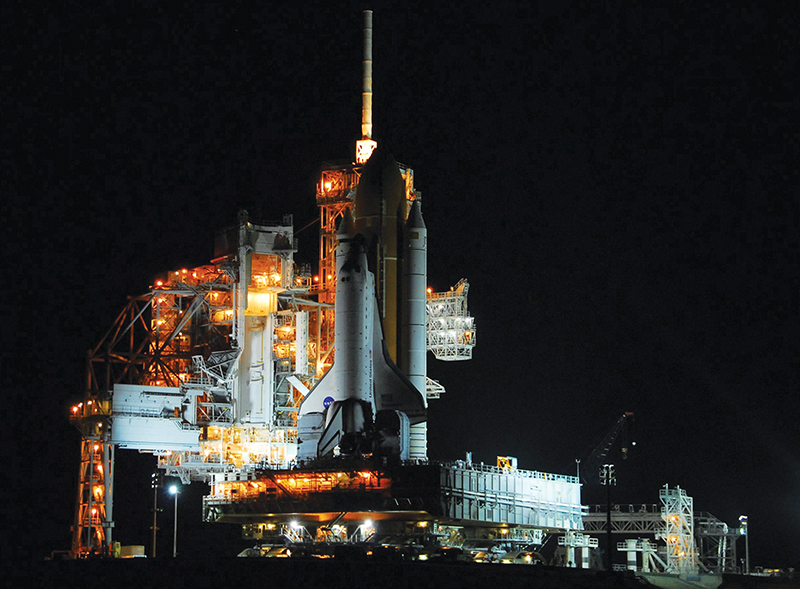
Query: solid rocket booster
x,y
414,313
363,400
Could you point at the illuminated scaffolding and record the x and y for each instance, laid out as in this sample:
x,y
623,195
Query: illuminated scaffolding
x,y
450,329
169,369
149,343
92,527
336,193
678,531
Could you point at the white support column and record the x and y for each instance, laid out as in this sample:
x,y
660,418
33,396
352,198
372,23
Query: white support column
x,y
301,342
630,548
571,557
572,540
647,557
585,553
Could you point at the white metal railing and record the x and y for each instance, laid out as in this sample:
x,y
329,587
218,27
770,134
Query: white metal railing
x,y
433,388
533,474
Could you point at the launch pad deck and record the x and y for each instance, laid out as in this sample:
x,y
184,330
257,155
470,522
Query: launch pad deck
x,y
349,491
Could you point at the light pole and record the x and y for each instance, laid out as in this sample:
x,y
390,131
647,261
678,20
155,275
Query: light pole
x,y
173,489
744,532
155,484
608,477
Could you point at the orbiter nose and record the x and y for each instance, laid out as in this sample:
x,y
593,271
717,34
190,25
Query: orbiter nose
x,y
345,225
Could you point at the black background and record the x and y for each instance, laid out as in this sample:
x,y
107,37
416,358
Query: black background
x,y
618,184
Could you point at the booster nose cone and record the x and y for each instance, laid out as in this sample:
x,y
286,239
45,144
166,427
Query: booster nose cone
x,y
415,217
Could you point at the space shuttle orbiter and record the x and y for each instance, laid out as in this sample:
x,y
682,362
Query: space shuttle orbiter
x,y
364,404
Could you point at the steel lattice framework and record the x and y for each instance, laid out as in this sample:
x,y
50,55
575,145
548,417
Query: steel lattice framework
x,y
678,532
716,543
150,342
450,329
625,519
715,540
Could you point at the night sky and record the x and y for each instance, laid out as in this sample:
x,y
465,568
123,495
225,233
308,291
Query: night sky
x,y
618,185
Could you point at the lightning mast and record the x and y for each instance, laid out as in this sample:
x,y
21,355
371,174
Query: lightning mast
x,y
365,146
